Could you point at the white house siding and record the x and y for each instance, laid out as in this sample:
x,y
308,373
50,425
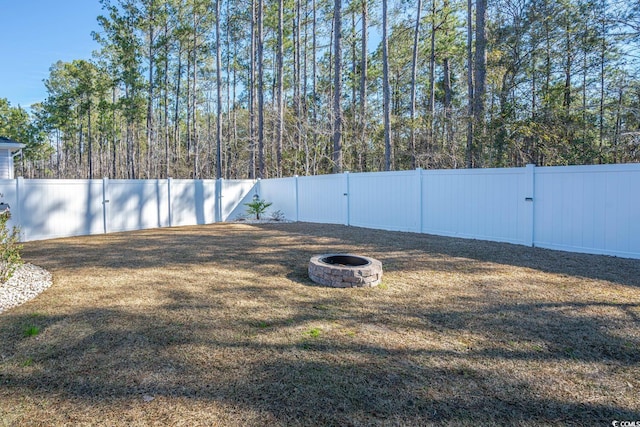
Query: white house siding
x,y
6,165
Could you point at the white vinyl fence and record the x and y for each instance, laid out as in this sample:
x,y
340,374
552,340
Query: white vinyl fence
x,y
48,208
591,209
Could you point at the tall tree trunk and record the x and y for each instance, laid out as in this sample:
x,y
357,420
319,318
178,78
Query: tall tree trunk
x,y
337,90
618,125
59,153
362,153
431,104
603,56
234,120
314,94
414,73
566,102
530,142
354,92
297,97
585,74
470,94
151,86
218,96
547,67
89,140
188,99
280,89
129,141
114,170
137,162
209,169
196,148
165,102
252,95
305,75
261,160
230,141
325,151
386,95
80,147
176,111
446,87
480,75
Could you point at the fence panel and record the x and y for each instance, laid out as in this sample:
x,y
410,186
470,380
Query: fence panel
x,y
136,204
282,193
322,199
486,204
592,209
385,200
52,208
193,202
234,192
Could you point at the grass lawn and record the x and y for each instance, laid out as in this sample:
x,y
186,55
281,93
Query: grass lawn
x,y
219,325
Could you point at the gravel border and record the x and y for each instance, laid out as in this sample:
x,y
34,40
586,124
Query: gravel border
x,y
27,282
261,221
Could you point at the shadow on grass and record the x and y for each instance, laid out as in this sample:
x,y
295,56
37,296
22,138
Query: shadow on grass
x,y
250,344
113,355
599,267
241,247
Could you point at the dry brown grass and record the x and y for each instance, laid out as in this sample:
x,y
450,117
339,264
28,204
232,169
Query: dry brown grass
x,y
219,325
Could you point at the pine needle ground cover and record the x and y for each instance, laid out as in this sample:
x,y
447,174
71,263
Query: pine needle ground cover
x,y
219,325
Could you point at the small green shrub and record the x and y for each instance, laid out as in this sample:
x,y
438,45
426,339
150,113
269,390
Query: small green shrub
x,y
257,207
313,332
9,247
31,331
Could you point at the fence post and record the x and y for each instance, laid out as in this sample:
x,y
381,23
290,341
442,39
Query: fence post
x,y
218,195
256,187
159,219
419,176
169,210
295,177
529,191
105,201
346,174
17,213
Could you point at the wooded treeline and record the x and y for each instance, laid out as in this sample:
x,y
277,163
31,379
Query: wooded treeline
x,y
227,88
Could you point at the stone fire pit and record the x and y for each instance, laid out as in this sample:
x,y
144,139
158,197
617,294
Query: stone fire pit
x,y
345,270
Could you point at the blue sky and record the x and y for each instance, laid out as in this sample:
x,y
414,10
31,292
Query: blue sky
x,y
37,33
